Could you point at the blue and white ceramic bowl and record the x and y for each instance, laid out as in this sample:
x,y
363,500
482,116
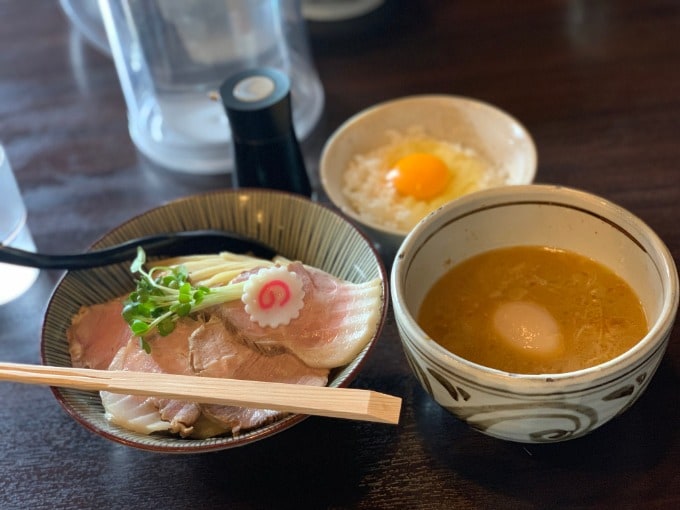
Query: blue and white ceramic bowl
x,y
534,408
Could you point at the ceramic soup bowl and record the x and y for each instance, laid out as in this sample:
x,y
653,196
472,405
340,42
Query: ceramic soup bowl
x,y
536,408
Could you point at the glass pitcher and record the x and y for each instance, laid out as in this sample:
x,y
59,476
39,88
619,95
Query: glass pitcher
x,y
171,55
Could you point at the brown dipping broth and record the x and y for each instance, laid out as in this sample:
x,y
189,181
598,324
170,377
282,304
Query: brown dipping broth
x,y
597,314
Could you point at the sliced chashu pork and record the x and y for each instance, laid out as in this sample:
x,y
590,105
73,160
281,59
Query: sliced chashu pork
x,y
335,324
215,352
208,350
337,320
193,348
169,354
96,334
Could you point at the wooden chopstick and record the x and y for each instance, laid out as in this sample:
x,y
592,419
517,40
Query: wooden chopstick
x,y
349,403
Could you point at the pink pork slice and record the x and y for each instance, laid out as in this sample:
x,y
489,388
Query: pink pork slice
x,y
169,354
217,353
337,320
194,348
96,334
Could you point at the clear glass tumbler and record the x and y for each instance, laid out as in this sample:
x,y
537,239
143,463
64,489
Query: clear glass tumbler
x,y
13,232
171,55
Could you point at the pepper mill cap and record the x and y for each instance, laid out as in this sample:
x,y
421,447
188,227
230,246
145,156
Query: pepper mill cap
x,y
257,103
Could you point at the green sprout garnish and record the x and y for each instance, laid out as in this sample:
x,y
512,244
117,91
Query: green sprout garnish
x,y
164,294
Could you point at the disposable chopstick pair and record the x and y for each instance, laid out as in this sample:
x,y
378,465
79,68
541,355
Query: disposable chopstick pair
x,y
348,403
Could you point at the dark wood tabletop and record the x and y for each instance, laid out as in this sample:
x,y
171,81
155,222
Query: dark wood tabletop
x,y
597,83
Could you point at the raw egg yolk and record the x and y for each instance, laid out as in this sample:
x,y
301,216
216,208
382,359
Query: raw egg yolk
x,y
420,175
529,327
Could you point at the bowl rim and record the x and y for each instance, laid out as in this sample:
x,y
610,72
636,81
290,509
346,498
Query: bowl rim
x,y
264,431
547,194
335,194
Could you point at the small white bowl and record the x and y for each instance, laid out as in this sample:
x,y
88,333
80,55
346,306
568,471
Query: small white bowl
x,y
495,136
548,407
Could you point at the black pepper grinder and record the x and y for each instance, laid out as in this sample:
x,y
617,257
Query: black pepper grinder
x,y
266,150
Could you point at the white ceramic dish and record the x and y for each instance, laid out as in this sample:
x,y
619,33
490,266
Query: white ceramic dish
x,y
494,135
548,407
297,227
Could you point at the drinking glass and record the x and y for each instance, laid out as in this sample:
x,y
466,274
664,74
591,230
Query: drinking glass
x,y
13,232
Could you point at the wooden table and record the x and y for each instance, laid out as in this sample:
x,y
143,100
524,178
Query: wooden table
x,y
597,83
